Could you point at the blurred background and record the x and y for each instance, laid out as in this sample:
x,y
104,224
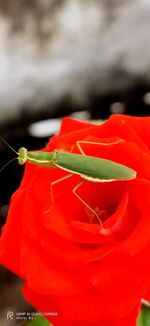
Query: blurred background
x,y
87,59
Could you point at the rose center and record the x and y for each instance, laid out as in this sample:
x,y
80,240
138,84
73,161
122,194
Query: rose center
x,y
98,215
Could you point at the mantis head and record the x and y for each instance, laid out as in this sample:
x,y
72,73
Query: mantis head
x,y
22,155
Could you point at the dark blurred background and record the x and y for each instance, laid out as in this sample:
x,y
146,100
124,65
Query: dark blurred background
x,y
87,59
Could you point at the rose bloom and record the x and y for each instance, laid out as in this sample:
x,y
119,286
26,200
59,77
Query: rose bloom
x,y
76,270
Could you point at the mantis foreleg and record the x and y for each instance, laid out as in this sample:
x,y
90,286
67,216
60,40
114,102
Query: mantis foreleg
x,y
57,181
53,184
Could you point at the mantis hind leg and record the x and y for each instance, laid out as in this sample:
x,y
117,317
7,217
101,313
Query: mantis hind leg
x,y
80,142
94,213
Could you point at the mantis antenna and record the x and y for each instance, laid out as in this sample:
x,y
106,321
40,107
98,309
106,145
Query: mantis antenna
x,y
5,142
3,167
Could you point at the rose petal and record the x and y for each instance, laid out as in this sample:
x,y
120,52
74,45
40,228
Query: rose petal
x,y
55,274
69,124
110,128
66,318
140,237
11,235
137,124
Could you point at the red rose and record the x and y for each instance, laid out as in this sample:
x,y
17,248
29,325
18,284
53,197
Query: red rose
x,y
87,274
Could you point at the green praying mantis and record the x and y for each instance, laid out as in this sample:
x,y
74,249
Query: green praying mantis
x,y
89,168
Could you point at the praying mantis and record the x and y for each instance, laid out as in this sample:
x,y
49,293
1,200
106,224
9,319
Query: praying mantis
x,y
89,168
